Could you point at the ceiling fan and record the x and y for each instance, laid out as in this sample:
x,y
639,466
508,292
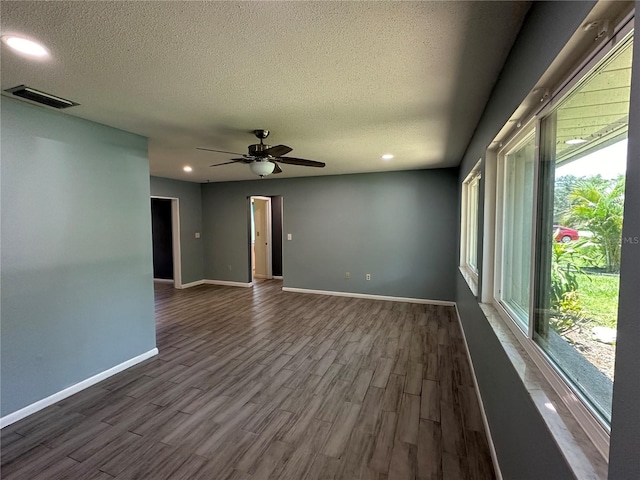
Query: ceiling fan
x,y
263,159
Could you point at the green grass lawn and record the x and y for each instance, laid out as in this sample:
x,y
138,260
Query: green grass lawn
x,y
599,298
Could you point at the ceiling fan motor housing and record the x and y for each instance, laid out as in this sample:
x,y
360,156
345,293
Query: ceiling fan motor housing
x,y
257,149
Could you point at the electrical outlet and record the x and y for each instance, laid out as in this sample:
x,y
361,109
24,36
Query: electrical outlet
x,y
347,275
229,267
367,276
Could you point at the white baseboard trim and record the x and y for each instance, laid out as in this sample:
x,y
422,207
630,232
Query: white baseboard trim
x,y
277,277
163,280
369,296
192,284
485,420
228,283
67,392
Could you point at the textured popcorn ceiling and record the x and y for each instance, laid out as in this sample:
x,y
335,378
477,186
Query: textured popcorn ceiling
x,y
339,82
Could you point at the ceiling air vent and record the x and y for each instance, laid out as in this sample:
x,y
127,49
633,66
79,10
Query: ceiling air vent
x,y
40,97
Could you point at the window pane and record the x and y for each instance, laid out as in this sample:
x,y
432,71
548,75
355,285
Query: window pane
x,y
517,228
580,228
472,227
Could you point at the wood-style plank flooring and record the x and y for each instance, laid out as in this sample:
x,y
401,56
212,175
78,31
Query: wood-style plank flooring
x,y
264,384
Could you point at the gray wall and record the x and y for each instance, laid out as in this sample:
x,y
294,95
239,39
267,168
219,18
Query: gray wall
x,y
76,273
546,30
190,222
624,459
400,227
524,447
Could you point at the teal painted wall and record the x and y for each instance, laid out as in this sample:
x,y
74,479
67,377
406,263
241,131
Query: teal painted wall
x,y
77,295
190,203
399,226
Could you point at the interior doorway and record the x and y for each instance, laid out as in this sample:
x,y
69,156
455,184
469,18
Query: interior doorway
x,y
162,239
165,232
261,265
276,237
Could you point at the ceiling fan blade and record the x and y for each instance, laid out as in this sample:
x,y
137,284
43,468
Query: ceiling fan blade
x,y
218,164
219,151
277,168
300,161
234,160
277,150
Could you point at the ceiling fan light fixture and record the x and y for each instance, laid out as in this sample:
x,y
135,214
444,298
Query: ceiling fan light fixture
x,y
187,168
387,156
262,167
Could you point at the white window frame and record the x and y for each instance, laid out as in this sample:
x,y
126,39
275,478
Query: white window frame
x,y
522,136
469,230
593,425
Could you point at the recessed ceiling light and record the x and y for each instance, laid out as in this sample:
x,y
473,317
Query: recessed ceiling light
x,y
188,169
28,47
575,141
387,156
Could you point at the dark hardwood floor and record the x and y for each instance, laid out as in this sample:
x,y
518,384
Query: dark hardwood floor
x,y
256,383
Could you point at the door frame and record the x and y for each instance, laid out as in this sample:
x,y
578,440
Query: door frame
x,y
175,238
269,245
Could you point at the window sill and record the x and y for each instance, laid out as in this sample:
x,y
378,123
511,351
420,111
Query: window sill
x,y
578,449
471,279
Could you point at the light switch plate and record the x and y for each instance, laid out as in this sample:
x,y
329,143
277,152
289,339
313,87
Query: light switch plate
x,y
289,236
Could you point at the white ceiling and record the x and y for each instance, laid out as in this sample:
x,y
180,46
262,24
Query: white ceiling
x,y
339,82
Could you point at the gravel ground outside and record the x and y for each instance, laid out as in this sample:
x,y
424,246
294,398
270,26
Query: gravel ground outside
x,y
601,355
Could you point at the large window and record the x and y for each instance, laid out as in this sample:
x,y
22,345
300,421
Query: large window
x,y
582,173
517,217
469,230
559,215
472,237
